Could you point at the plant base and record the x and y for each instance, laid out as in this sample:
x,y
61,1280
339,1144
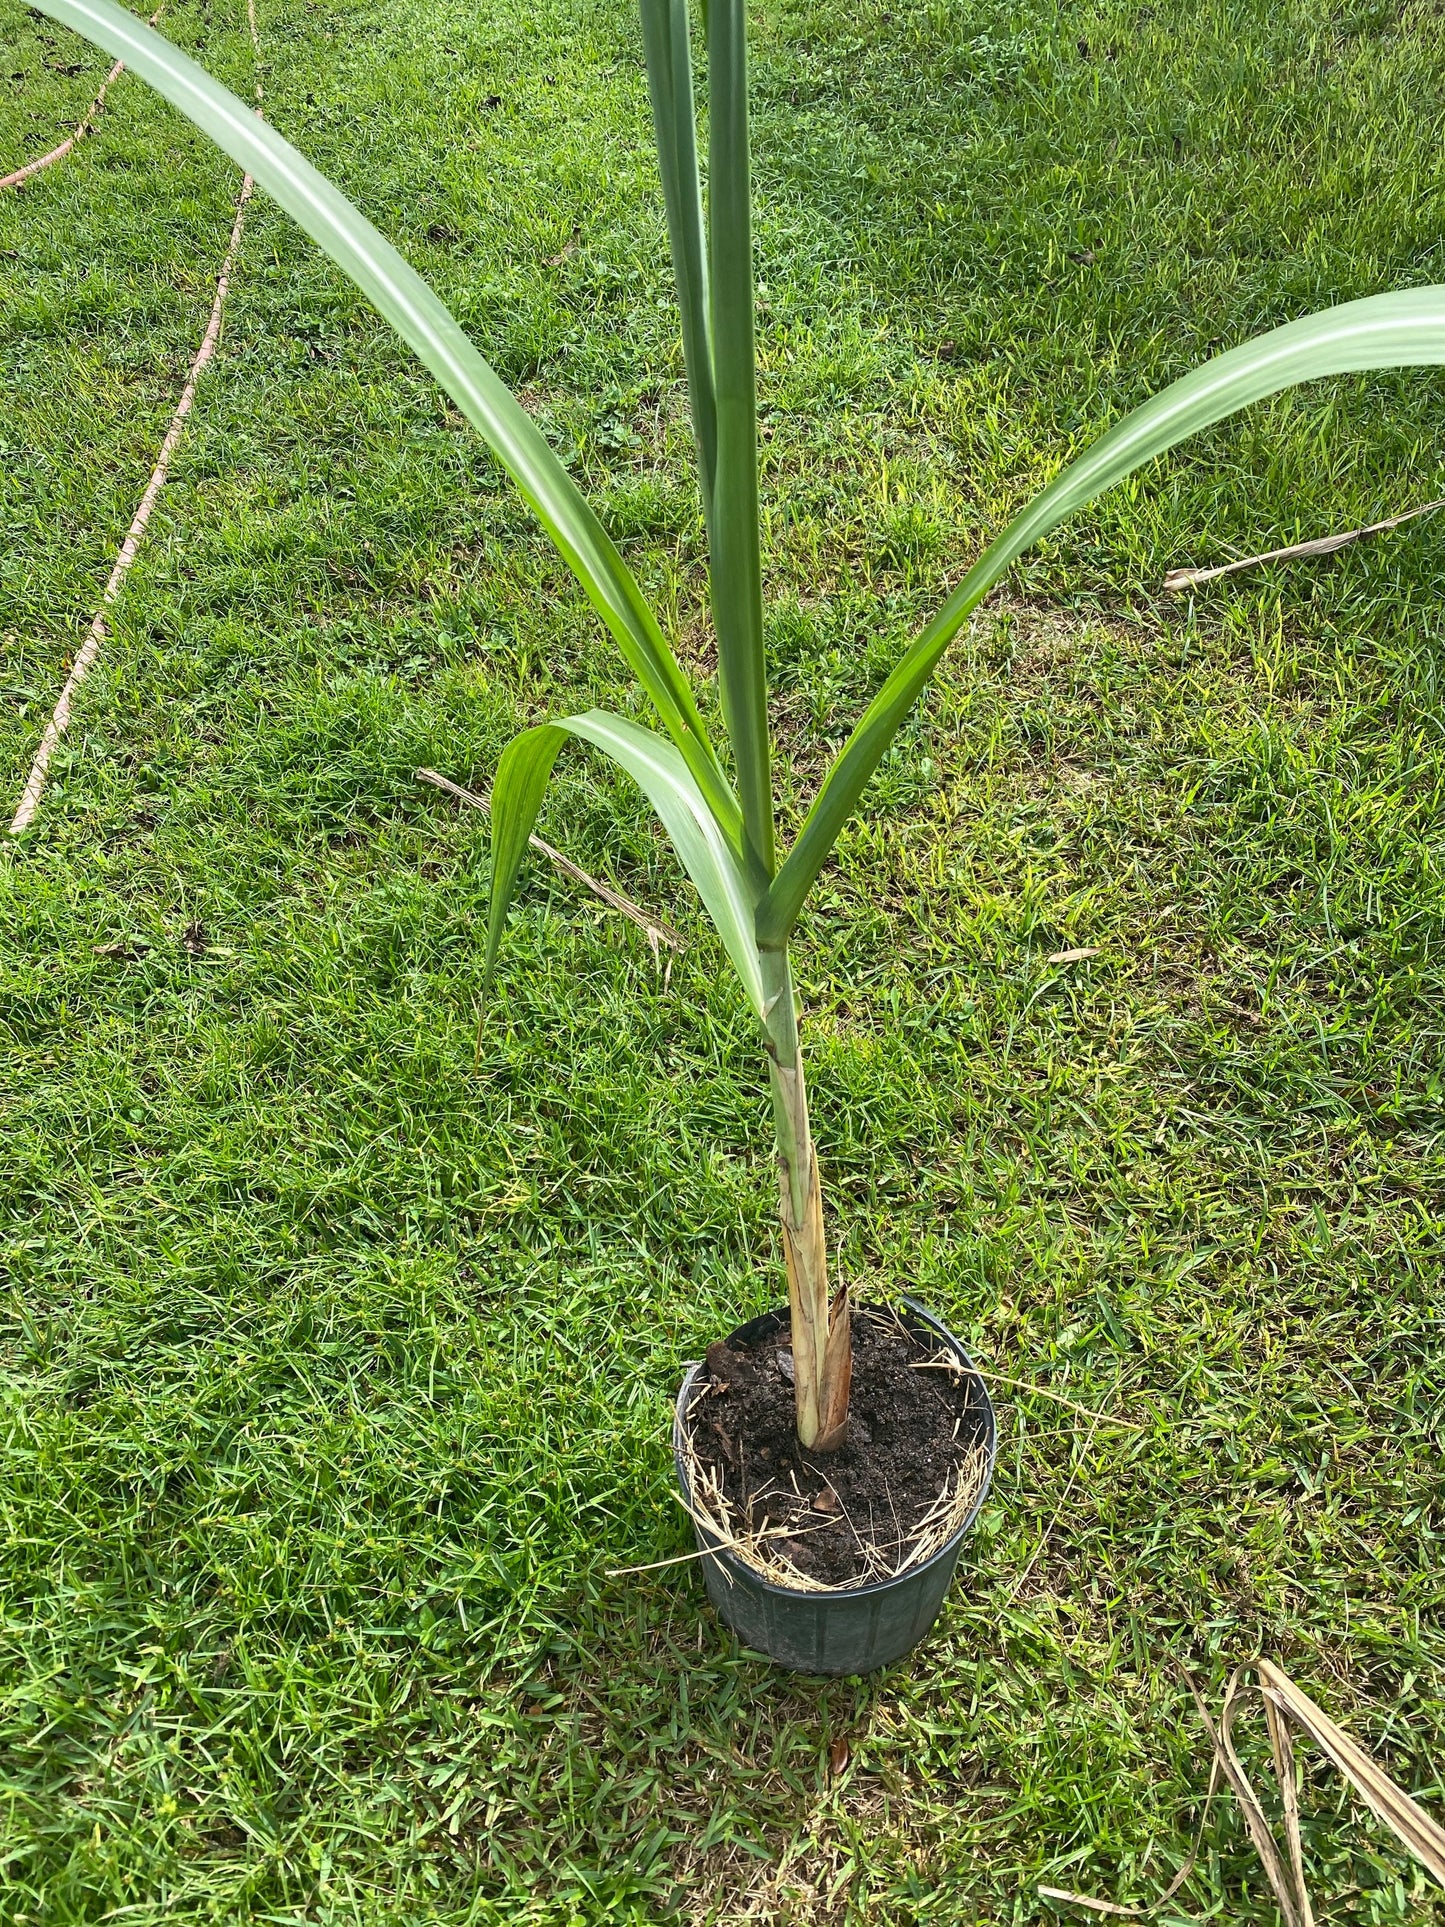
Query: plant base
x,y
846,1629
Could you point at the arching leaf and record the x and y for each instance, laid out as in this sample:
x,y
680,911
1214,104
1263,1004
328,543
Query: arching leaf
x,y
1383,331
659,771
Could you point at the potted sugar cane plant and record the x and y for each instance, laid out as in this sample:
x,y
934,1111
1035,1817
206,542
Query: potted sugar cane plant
x,y
781,1432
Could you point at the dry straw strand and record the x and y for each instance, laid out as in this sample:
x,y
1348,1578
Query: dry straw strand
x,y
1178,579
654,928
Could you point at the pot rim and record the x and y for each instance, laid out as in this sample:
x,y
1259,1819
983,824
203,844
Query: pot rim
x,y
717,1550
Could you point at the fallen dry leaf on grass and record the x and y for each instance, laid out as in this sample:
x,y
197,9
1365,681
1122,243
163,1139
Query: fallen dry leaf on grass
x,y
1286,1703
1178,579
1087,1900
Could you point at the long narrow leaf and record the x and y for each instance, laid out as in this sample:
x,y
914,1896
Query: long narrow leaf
x,y
427,326
736,567
666,40
659,771
1383,331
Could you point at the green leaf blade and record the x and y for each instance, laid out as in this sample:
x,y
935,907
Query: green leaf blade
x,y
422,320
667,44
736,562
1382,331
523,771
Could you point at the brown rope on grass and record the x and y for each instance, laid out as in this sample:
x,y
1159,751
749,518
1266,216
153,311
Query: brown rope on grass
x,y
85,125
60,717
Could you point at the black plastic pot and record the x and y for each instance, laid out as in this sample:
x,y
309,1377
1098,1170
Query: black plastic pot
x,y
852,1631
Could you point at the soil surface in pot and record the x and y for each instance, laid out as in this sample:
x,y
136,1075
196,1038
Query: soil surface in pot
x,y
850,1516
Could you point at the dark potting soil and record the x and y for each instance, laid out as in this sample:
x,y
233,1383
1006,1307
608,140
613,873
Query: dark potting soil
x,y
910,1426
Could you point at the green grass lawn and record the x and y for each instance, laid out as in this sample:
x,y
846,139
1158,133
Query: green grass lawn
x,y
338,1352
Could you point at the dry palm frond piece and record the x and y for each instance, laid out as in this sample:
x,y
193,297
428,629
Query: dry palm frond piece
x,y
1285,1704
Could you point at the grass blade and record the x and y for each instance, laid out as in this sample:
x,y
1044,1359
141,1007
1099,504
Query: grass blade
x,y
659,771
1382,331
429,328
1087,1900
666,39
736,567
